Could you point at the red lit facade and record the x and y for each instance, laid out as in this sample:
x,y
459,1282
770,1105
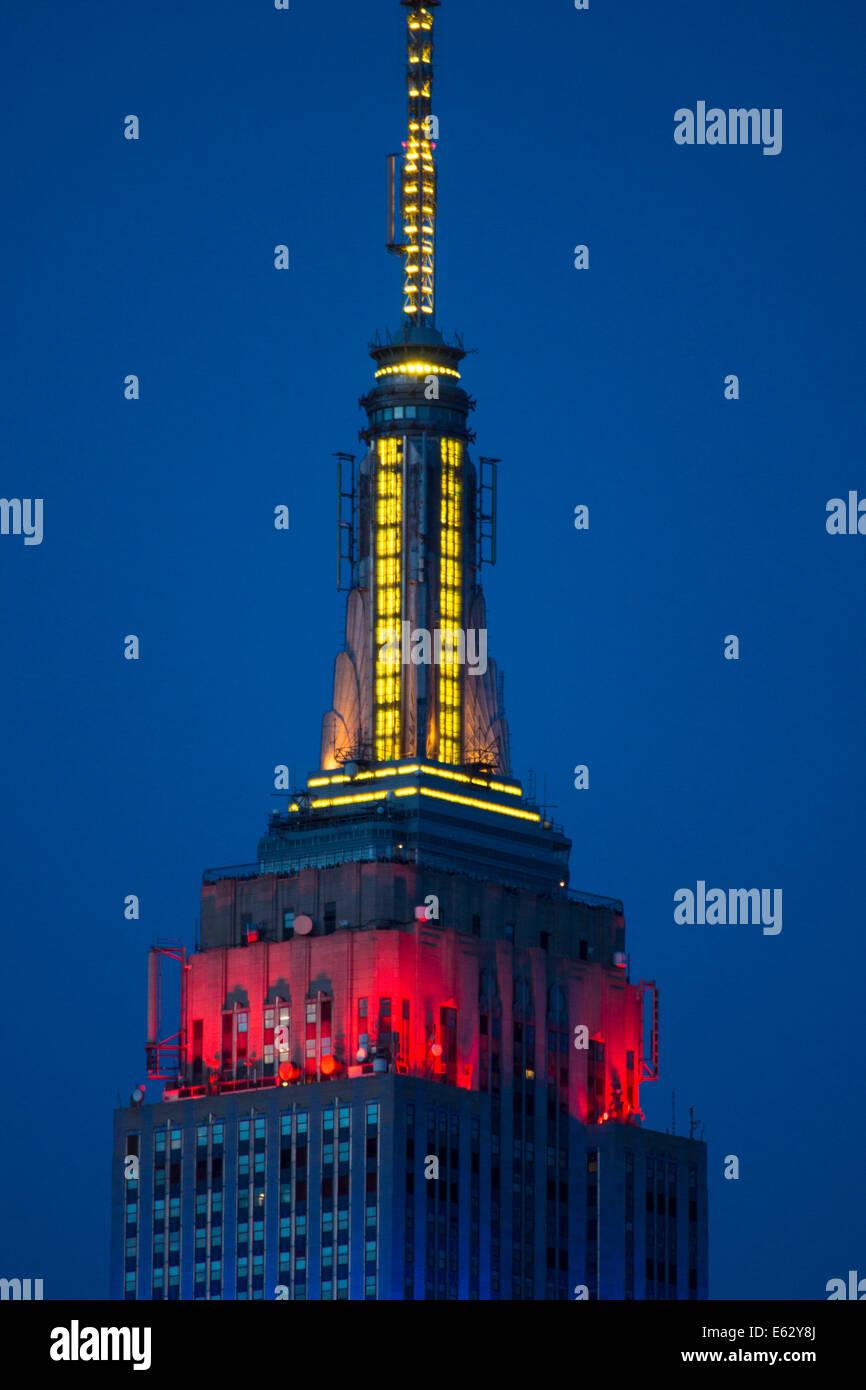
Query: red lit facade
x,y
502,982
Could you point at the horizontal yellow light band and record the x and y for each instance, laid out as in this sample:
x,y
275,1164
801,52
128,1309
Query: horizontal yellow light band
x,y
418,369
325,802
468,801
410,770
347,800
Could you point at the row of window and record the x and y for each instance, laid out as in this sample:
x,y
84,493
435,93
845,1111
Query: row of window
x,y
426,414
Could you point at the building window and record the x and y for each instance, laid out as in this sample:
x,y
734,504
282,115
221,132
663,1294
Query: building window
x,y
288,924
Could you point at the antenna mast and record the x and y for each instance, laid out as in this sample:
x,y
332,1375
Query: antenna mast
x,y
418,182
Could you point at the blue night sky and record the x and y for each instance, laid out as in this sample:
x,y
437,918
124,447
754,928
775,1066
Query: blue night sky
x,y
602,387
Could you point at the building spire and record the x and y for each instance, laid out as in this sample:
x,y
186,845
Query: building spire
x,y
418,188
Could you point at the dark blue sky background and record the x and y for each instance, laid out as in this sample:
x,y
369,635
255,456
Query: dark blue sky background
x,y
603,387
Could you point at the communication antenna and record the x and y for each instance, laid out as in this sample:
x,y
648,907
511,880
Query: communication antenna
x,y
417,176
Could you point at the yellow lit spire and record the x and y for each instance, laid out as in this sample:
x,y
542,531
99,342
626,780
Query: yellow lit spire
x,y
418,193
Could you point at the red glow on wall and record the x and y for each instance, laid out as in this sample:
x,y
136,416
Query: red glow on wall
x,y
389,1002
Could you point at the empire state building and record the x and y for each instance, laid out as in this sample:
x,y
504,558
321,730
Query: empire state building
x,y
408,1058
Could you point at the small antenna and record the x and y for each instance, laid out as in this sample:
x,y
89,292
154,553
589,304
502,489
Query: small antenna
x,y
392,244
673,1112
545,804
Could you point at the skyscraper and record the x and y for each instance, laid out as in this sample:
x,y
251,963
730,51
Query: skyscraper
x,y
408,1057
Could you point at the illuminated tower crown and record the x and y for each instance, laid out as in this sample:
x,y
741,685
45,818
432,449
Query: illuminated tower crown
x,y
418,519
404,973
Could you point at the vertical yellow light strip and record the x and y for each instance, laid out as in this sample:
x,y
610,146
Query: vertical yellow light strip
x,y
419,173
451,602
389,543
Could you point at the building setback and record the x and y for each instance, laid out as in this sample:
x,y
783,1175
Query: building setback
x,y
409,1056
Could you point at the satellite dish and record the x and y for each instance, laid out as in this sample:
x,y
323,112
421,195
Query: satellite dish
x,y
303,925
350,769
